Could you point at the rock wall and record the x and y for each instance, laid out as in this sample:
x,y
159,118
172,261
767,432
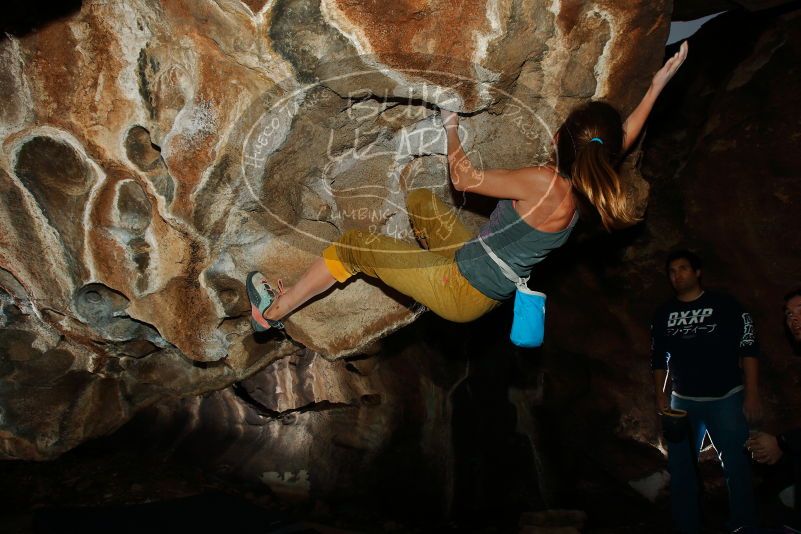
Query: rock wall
x,y
423,423
152,153
377,429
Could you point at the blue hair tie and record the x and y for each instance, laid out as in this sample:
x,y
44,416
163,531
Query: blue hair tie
x,y
597,140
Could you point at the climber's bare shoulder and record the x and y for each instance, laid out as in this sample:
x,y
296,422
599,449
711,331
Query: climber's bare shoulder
x,y
524,184
551,204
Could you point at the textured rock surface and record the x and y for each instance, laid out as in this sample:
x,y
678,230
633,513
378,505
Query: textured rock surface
x,y
390,442
152,153
306,428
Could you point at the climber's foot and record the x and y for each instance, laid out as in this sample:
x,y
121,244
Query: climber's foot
x,y
261,297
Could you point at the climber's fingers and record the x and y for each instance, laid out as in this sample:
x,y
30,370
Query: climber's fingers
x,y
671,66
679,57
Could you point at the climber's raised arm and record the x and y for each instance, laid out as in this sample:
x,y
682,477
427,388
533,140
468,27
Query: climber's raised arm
x,y
635,122
515,184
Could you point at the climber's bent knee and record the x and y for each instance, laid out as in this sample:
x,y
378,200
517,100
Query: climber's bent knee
x,y
335,265
352,253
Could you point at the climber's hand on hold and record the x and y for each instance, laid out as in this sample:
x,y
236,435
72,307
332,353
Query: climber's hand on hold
x,y
663,76
449,118
633,125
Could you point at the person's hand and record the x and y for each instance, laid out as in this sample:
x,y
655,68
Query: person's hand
x,y
449,118
663,76
764,448
752,408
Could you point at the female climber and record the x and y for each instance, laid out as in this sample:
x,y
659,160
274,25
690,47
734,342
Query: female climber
x,y
452,274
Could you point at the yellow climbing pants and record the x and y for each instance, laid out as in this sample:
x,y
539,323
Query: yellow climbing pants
x,y
431,277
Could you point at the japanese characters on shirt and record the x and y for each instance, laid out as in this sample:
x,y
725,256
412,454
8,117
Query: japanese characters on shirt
x,y
700,321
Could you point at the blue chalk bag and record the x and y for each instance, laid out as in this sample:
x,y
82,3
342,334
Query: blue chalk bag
x,y
528,325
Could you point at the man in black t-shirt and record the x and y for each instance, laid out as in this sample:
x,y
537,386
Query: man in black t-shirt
x,y
769,449
708,344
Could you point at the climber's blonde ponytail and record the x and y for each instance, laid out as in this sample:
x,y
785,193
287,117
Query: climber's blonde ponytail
x,y
588,150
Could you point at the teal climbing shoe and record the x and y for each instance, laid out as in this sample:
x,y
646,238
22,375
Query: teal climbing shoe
x,y
261,297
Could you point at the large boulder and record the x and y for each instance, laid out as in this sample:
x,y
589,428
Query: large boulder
x,y
155,152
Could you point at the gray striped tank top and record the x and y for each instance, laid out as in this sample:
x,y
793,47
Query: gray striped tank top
x,y
515,242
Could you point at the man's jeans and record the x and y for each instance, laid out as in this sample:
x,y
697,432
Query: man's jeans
x,y
728,429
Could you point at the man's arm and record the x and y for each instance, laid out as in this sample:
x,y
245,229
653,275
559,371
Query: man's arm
x,y
749,361
752,406
659,366
660,377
